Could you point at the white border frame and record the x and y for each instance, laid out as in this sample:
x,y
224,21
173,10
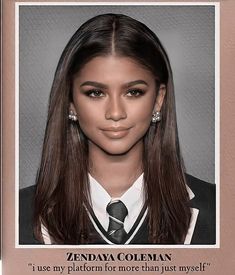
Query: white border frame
x,y
217,118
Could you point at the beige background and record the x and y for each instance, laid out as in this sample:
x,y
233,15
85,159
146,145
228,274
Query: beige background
x,y
222,259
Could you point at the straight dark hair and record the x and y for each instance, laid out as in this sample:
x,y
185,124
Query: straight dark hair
x,y
62,193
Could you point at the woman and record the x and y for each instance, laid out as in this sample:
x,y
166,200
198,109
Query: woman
x,y
111,170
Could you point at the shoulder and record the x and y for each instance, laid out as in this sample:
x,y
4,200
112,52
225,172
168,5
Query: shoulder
x,y
27,194
26,201
205,201
26,208
202,190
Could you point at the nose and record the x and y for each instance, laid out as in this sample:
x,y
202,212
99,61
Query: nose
x,y
115,109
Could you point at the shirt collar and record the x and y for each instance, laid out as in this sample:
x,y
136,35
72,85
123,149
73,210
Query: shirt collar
x,y
100,197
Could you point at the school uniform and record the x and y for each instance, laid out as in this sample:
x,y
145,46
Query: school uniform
x,y
202,205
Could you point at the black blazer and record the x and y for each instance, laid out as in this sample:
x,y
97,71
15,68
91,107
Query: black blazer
x,y
204,200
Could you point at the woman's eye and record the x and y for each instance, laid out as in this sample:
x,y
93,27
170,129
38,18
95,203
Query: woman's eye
x,y
135,93
95,93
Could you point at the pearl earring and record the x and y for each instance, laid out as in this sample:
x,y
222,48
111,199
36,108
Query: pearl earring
x,y
156,117
72,116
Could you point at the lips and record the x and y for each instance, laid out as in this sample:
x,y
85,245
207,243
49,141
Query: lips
x,y
116,129
115,132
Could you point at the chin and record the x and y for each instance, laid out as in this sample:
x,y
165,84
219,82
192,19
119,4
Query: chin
x,y
121,148
116,151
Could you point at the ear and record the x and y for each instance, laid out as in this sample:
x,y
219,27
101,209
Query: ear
x,y
72,108
160,98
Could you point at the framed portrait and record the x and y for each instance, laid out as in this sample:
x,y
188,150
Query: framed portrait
x,y
83,87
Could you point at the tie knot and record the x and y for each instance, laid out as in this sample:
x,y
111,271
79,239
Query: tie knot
x,y
117,210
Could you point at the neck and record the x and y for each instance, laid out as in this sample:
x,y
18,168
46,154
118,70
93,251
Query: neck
x,y
116,173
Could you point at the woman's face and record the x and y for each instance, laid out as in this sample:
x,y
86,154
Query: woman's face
x,y
114,98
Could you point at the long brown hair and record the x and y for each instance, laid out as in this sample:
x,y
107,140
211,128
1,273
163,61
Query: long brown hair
x,y
62,183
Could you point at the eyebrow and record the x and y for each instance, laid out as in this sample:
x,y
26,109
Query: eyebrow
x,y
103,86
94,84
135,82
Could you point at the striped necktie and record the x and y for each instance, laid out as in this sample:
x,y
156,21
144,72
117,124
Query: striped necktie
x,y
117,213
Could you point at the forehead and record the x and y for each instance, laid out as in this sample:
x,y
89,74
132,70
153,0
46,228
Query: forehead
x,y
113,67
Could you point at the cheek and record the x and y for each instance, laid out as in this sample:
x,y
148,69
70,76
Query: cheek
x,y
87,122
144,123
145,115
142,117
142,112
87,114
